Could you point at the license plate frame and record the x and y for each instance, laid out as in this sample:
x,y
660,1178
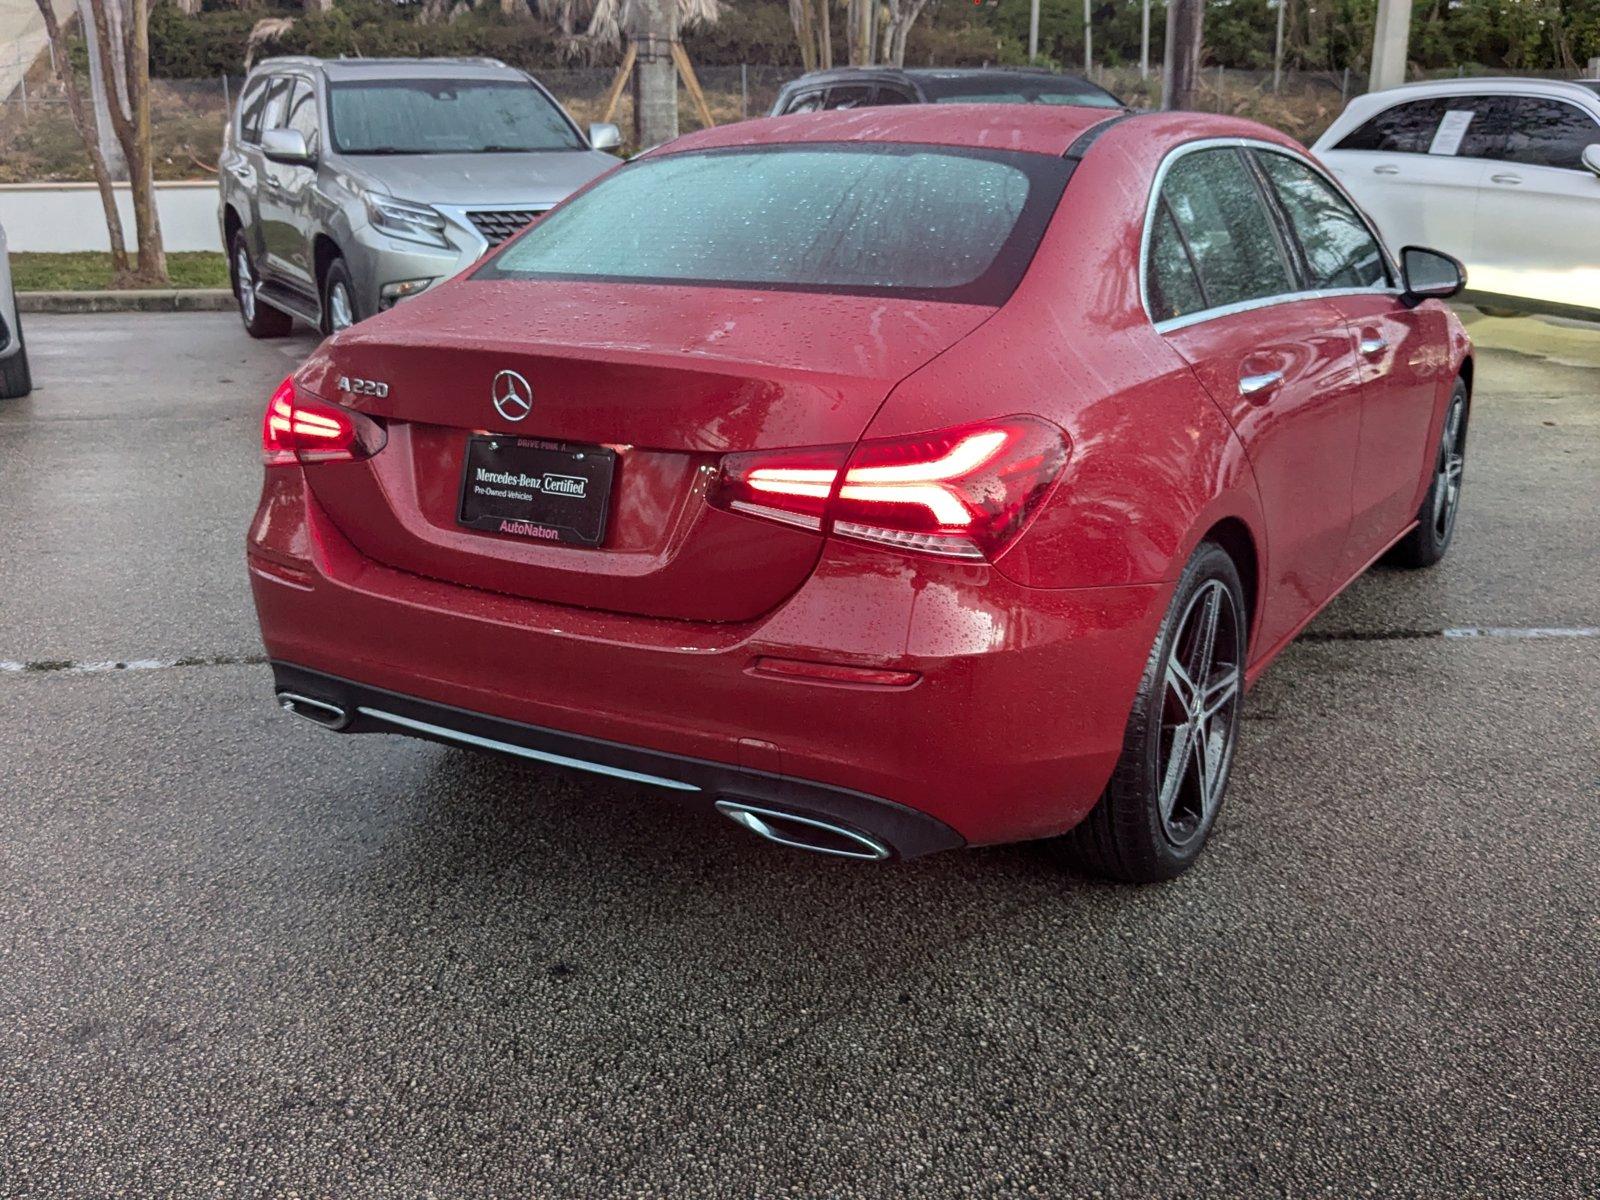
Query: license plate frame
x,y
536,490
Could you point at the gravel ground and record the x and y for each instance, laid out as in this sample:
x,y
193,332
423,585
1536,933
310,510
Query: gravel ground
x,y
241,957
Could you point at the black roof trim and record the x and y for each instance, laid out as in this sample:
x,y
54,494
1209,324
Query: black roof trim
x,y
1081,144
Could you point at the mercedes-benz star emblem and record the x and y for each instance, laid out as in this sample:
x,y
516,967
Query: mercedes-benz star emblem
x,y
512,395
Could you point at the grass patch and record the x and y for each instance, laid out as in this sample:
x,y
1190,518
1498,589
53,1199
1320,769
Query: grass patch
x,y
90,270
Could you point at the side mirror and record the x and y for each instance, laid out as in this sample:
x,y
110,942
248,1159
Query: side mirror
x,y
1429,275
1591,157
287,146
603,135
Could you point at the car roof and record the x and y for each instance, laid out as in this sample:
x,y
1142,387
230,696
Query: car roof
x,y
340,69
1032,128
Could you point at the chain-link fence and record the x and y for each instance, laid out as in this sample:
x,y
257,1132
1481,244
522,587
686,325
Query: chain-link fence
x,y
38,141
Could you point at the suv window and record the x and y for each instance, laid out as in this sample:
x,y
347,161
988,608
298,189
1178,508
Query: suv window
x,y
250,105
302,114
1548,133
1403,129
893,95
1218,210
803,102
1339,248
852,95
276,105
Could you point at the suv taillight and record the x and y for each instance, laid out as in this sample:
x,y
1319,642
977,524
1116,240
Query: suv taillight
x,y
964,492
298,429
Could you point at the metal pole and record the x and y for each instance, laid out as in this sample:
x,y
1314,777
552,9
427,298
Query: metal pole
x,y
1144,42
1219,87
1088,41
1277,53
1033,32
227,98
1344,88
744,90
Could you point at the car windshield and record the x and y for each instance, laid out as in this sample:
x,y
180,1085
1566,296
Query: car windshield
x,y
1022,91
913,221
445,116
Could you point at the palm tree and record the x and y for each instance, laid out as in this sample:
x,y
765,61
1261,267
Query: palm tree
x,y
650,29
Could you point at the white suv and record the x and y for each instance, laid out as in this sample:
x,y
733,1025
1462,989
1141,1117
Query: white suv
x,y
1502,173
15,382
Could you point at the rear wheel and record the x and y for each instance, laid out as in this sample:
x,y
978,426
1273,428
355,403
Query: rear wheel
x,y
260,320
1436,520
338,298
1156,813
16,381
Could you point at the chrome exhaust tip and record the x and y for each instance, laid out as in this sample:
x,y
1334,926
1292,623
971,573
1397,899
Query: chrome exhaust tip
x,y
329,716
803,833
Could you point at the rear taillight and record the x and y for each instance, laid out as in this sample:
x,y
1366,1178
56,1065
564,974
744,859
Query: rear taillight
x,y
298,429
964,493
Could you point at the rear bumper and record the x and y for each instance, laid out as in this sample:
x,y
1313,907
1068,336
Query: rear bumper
x,y
350,707
1010,731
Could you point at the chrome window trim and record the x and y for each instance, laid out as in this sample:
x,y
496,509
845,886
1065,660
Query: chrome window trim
x,y
1226,310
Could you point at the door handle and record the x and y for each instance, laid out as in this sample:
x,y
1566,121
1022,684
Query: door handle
x,y
1372,345
1506,178
1254,385
1385,169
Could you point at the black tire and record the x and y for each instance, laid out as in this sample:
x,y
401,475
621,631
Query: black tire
x,y
16,380
1128,836
335,279
260,320
1436,519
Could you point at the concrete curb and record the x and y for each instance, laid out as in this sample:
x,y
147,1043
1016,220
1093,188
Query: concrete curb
x,y
132,300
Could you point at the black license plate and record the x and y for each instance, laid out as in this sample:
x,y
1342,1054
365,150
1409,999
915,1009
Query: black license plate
x,y
537,490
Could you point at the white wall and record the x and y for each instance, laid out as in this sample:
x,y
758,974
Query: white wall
x,y
60,217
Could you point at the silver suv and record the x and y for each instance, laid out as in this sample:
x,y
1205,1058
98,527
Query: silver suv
x,y
15,382
350,184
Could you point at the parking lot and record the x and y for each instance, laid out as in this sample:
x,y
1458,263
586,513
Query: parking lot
x,y
240,956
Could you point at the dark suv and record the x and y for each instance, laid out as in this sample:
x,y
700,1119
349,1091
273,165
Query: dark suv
x,y
863,87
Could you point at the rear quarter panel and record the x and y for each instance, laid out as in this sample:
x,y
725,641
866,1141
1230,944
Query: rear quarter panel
x,y
1153,462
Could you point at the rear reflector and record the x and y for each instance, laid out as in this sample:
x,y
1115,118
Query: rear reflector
x,y
793,668
298,429
962,493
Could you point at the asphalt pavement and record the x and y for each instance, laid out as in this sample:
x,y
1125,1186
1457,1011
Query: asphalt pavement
x,y
240,956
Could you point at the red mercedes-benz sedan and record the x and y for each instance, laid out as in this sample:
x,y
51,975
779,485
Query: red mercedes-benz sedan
x,y
888,479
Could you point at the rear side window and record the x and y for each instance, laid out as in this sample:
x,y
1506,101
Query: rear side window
x,y
852,96
1548,133
1223,220
914,221
803,102
893,95
1404,129
1339,249
1174,286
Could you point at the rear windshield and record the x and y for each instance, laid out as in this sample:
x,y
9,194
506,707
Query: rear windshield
x,y
445,116
914,221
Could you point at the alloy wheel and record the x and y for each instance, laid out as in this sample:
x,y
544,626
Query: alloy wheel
x,y
1199,712
244,285
1447,484
341,314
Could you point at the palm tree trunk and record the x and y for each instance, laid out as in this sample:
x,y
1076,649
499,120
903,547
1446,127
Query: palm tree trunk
x,y
90,135
655,77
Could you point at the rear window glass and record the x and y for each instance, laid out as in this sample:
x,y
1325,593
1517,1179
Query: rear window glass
x,y
914,221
